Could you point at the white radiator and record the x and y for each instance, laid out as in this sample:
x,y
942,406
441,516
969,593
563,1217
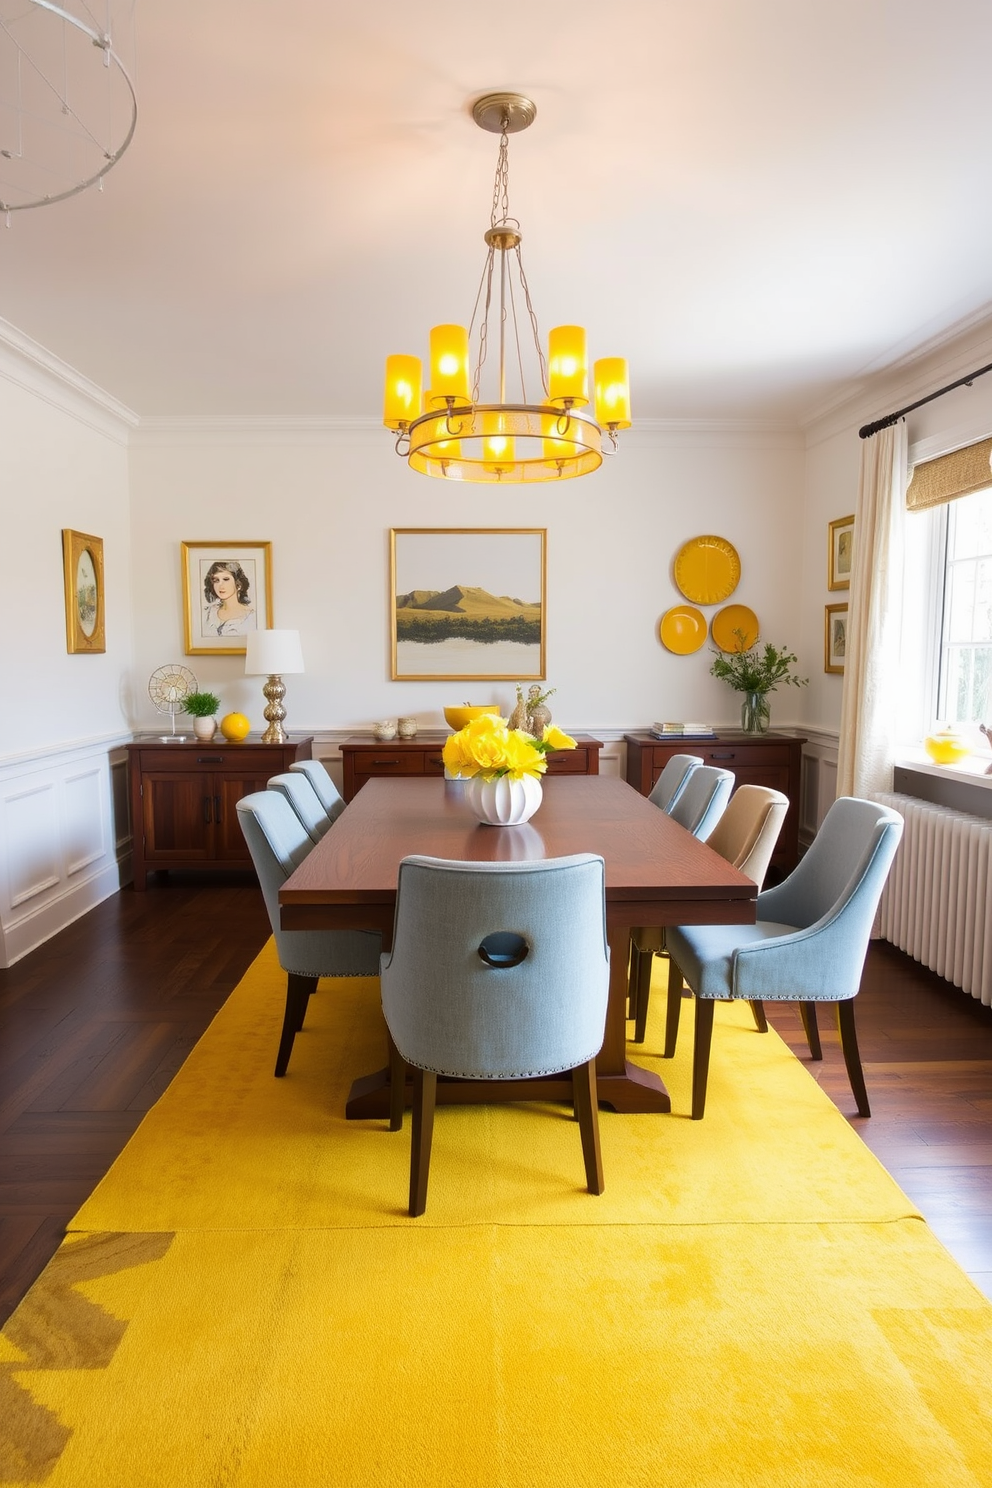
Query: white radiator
x,y
935,905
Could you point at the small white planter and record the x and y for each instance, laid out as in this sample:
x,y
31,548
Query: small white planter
x,y
204,729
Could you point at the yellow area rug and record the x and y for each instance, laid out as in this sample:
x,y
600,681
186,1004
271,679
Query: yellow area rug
x,y
244,1302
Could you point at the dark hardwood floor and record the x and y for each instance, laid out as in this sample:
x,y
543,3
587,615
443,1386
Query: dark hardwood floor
x,y
94,1024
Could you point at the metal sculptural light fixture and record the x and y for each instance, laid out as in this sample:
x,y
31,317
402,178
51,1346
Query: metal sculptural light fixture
x,y
453,435
67,102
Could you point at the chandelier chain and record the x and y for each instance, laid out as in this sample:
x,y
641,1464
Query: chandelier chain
x,y
501,183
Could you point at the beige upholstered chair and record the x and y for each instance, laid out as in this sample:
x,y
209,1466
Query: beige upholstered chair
x,y
745,835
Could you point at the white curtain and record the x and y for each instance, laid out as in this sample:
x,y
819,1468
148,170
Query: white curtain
x,y
869,707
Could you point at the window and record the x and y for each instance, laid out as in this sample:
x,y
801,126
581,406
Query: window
x,y
964,690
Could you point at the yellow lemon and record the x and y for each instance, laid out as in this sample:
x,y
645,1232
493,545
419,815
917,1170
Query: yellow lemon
x,y
235,726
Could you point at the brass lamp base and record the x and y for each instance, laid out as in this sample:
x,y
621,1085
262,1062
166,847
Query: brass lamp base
x,y
274,691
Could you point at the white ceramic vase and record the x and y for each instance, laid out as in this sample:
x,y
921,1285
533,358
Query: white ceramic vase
x,y
204,729
503,802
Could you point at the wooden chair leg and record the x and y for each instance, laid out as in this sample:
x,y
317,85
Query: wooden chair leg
x,y
852,1055
701,1055
587,1109
298,989
424,1099
676,984
632,980
397,1086
807,1011
760,1021
643,997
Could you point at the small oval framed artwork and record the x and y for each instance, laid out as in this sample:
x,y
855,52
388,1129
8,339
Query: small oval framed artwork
x,y
82,562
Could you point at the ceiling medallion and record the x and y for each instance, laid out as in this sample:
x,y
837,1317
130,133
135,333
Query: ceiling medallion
x,y
450,432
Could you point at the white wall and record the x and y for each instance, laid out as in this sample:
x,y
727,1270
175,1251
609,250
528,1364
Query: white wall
x,y
327,496
63,463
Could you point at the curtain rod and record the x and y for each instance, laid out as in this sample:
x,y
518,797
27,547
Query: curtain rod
x,y
884,423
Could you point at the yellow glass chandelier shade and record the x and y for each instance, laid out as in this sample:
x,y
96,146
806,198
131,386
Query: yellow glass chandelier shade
x,y
449,365
611,384
508,444
401,404
568,367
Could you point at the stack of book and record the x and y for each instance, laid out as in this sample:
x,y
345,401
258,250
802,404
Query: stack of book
x,y
683,731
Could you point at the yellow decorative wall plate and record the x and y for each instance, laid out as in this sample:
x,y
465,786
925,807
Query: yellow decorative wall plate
x,y
682,629
707,569
728,621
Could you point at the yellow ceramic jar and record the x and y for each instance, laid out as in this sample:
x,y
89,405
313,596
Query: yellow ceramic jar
x,y
235,727
946,747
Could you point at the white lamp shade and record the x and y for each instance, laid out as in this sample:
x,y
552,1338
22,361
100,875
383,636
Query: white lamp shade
x,y
273,653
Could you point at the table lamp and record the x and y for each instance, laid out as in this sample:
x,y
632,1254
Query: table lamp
x,y
273,654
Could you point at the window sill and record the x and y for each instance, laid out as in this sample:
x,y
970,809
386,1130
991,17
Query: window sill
x,y
971,771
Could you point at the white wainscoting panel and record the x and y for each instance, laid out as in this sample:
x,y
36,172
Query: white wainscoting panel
x,y
818,789
30,832
61,849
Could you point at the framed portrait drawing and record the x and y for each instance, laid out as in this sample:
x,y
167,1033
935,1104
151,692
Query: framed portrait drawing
x,y
227,592
467,604
840,553
82,567
834,637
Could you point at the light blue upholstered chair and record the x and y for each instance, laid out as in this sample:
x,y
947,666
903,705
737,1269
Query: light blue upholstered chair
x,y
697,804
702,801
746,835
809,943
499,971
304,800
330,797
671,782
278,843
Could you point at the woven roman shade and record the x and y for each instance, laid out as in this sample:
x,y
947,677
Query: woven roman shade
x,y
949,476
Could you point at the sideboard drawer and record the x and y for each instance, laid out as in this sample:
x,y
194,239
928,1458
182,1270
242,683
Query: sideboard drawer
x,y
571,762
390,762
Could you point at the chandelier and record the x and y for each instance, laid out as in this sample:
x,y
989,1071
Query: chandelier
x,y
448,432
67,103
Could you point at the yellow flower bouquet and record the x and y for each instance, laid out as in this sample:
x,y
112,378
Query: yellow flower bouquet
x,y
488,749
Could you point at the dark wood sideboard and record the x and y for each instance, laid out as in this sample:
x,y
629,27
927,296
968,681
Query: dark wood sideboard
x,y
755,759
183,799
364,758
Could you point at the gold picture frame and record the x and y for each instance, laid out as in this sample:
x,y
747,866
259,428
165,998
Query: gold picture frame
x,y
82,567
219,612
490,622
834,637
840,553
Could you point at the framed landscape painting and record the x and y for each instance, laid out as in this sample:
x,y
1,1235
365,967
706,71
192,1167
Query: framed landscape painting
x,y
467,604
227,592
82,567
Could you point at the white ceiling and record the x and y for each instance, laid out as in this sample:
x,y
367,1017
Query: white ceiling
x,y
755,201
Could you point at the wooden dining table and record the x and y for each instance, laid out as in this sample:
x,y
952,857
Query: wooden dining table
x,y
657,873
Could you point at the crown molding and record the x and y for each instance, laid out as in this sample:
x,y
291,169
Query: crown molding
x,y
879,386
196,429
29,365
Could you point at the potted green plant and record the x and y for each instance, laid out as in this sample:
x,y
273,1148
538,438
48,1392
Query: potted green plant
x,y
202,707
756,672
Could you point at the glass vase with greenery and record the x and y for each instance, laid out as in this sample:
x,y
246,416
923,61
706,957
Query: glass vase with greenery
x,y
756,671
